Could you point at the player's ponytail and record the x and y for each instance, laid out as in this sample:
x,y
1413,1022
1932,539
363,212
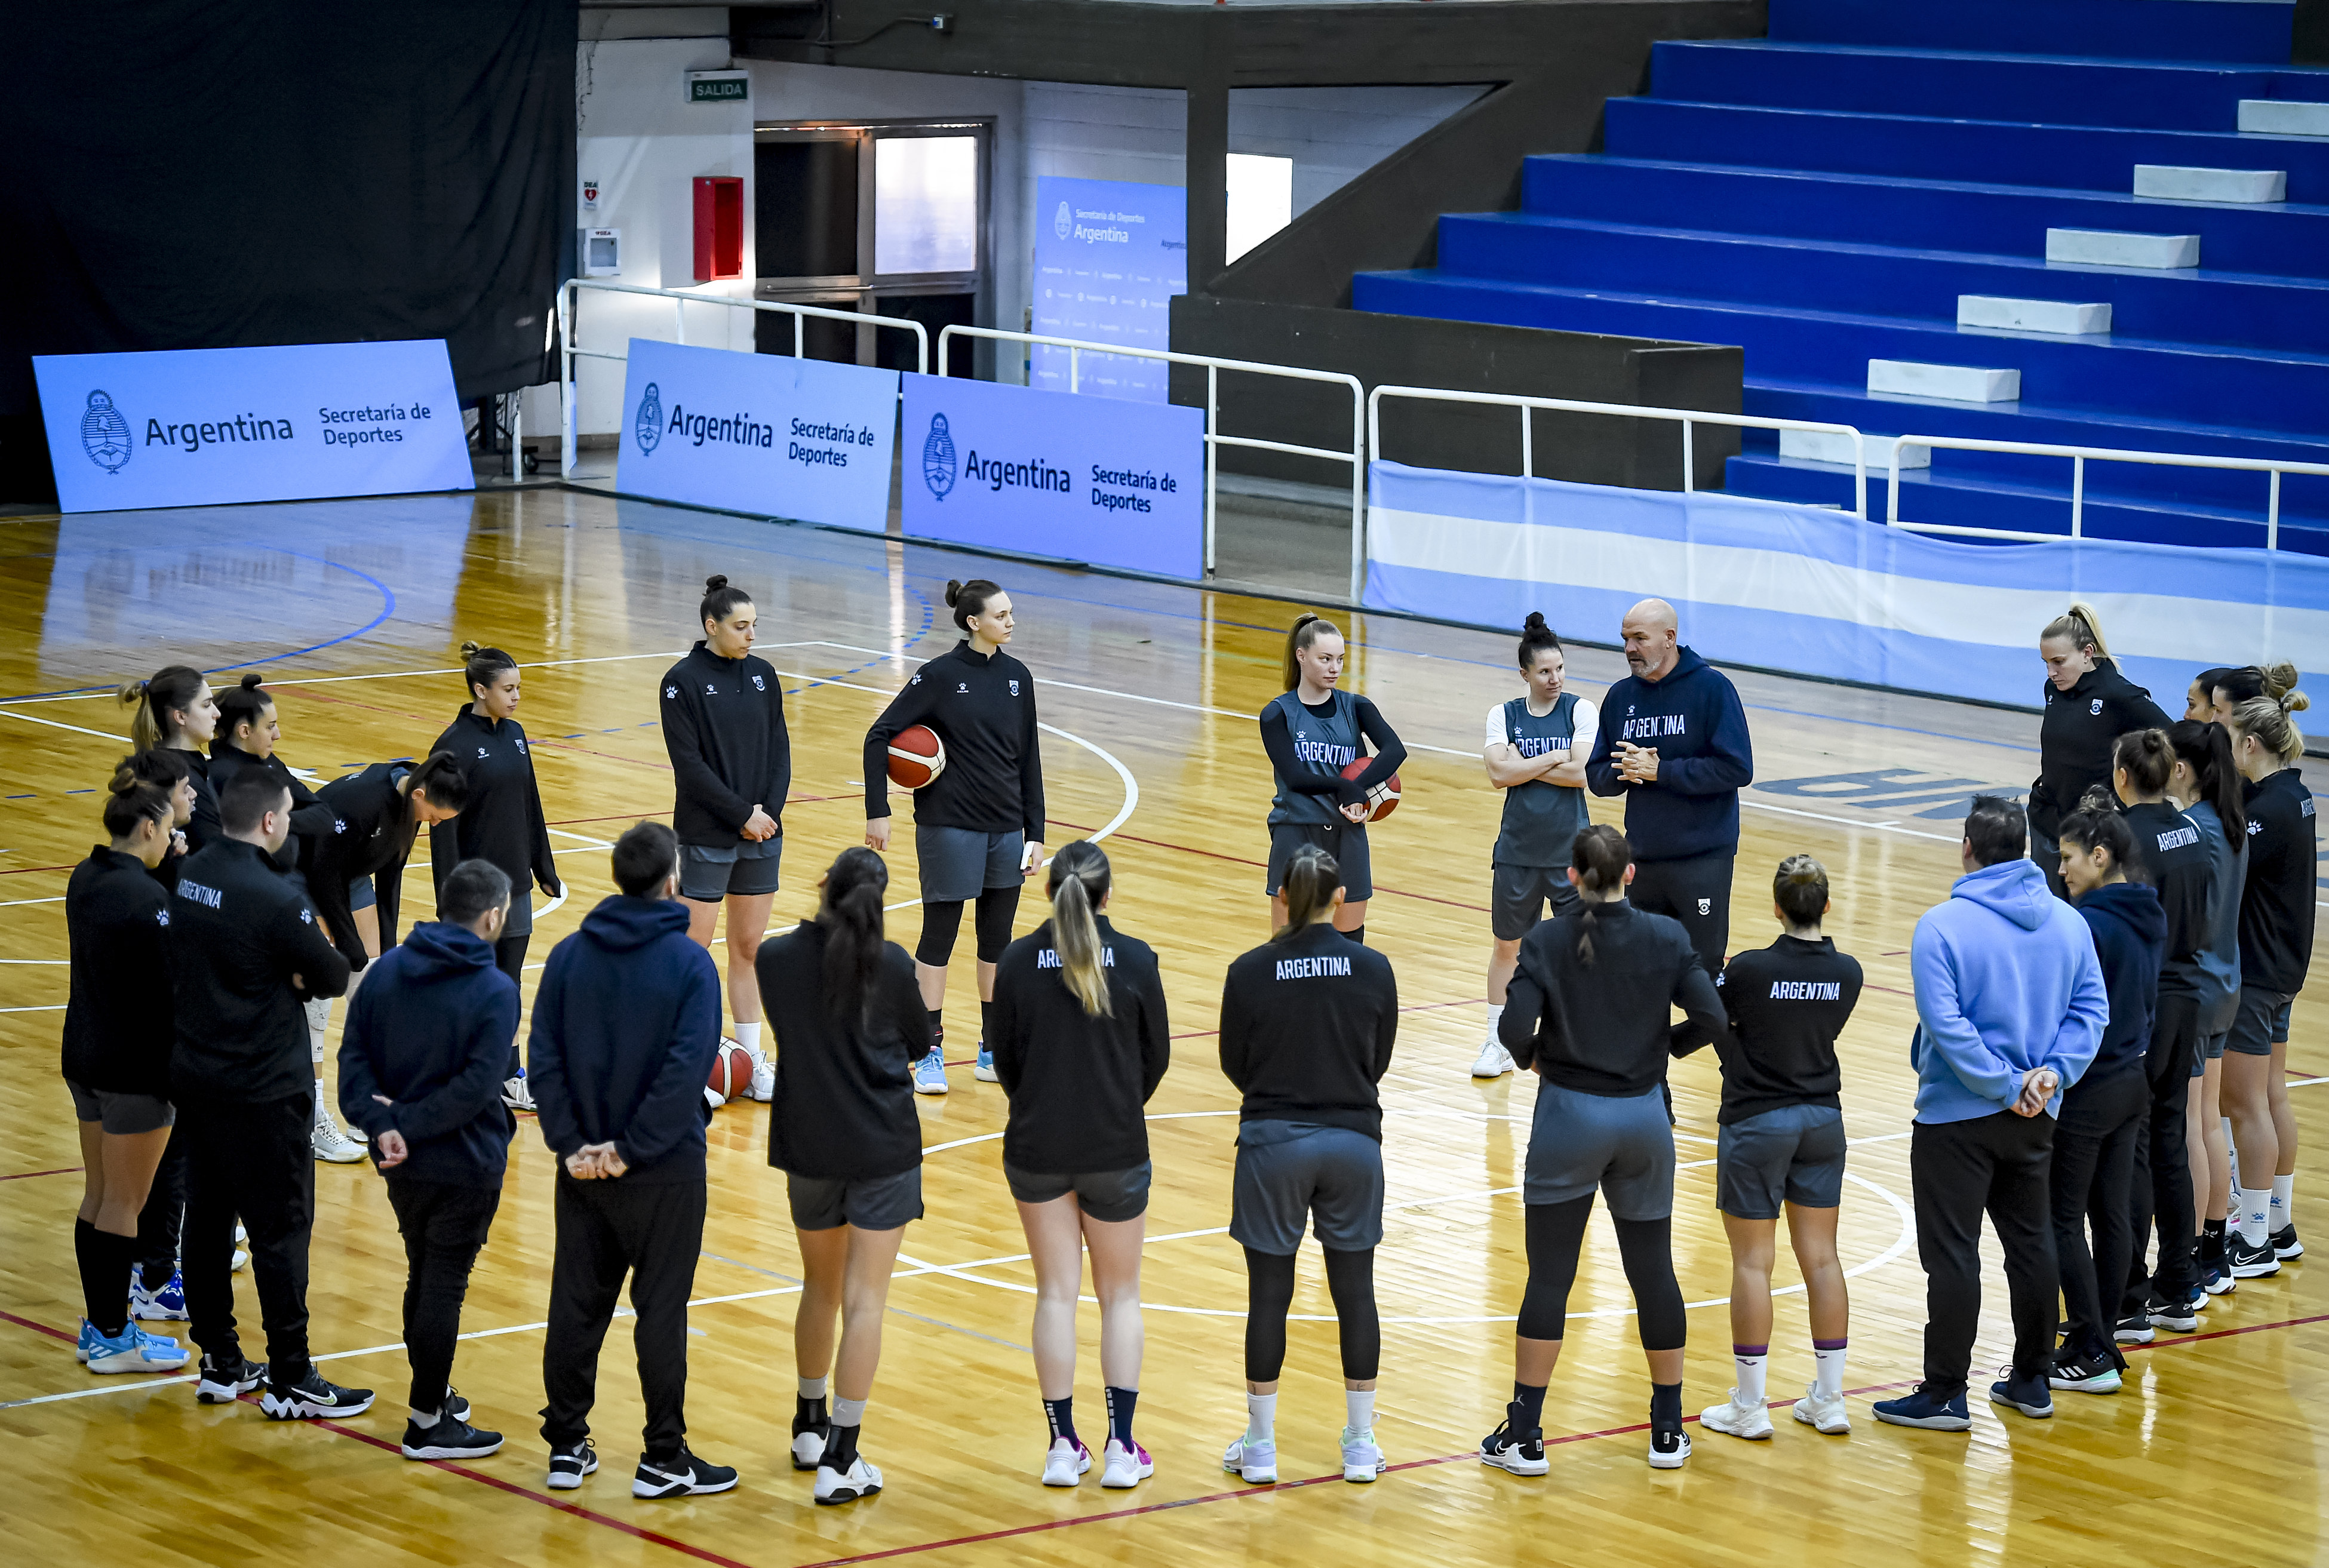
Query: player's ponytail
x,y
1535,638
1306,629
2081,627
439,778
1080,880
131,800
2207,751
2266,718
169,690
850,912
482,667
1600,856
2147,758
1308,890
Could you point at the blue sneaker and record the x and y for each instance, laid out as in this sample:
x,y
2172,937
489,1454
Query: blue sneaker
x,y
166,1305
1920,1408
929,1072
983,1068
134,1350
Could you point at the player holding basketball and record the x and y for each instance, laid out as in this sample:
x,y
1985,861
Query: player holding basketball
x,y
723,727
1312,734
1674,742
1531,758
978,826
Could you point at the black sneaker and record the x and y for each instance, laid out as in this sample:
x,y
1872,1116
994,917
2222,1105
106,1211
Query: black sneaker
x,y
2092,1373
1669,1448
2177,1317
455,1405
2244,1261
311,1397
450,1439
2284,1245
225,1385
568,1466
2032,1396
681,1475
1924,1407
1515,1448
2134,1330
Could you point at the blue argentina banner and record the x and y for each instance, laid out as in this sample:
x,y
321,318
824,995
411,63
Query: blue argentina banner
x,y
761,433
1085,479
197,426
1110,256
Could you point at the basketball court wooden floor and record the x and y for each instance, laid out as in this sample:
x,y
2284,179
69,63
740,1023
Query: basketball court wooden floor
x,y
354,610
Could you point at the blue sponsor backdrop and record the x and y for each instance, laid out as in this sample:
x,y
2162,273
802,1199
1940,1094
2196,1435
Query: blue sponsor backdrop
x,y
766,433
1110,256
1086,479
194,426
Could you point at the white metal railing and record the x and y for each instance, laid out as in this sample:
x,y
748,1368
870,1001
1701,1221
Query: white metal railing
x,y
2079,456
569,300
1685,417
1356,457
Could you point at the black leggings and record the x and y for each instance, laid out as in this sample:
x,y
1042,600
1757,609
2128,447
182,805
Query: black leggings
x,y
1556,1234
1269,1293
997,907
509,956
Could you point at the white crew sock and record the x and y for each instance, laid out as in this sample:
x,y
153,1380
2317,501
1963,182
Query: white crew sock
x,y
849,1413
1261,1417
2283,1208
1359,1404
1827,1361
1750,1369
812,1388
425,1418
1495,1013
2256,1215
749,1036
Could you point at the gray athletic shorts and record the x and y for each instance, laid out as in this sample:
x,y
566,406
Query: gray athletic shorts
x,y
1793,1154
1109,1197
1345,840
2261,1022
1292,1172
958,864
121,1114
361,895
869,1203
2211,1049
1517,895
521,910
1624,1147
707,874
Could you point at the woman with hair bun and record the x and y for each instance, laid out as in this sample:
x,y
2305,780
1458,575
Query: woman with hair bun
x,y
1308,1023
2276,682
849,1025
1588,1010
2206,786
731,763
978,826
174,710
1080,1042
2088,705
1311,733
1532,757
502,821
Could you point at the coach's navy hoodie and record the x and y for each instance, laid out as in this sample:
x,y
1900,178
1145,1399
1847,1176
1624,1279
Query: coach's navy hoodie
x,y
2130,930
430,1029
1695,723
624,1027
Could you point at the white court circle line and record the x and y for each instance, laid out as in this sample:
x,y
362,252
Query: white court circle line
x,y
1901,1242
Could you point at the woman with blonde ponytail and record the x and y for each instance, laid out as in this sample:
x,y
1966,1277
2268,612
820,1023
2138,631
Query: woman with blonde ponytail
x,y
1081,1041
174,711
2088,705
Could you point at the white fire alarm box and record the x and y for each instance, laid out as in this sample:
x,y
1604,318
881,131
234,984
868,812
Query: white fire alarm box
x,y
602,252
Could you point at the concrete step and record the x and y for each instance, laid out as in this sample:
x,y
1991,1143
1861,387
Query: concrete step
x,y
2119,247
2171,183
2282,118
1955,383
2057,317
1829,447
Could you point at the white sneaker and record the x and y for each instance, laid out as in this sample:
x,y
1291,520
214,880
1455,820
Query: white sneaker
x,y
982,1067
1733,1419
1494,1061
242,1261
328,1142
516,1095
240,1235
764,1079
860,1480
1825,1412
1126,1467
929,1072
1362,1461
1066,1461
1669,1451
1253,1458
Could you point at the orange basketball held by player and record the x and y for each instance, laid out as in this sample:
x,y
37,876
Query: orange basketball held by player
x,y
1382,799
917,756
731,1074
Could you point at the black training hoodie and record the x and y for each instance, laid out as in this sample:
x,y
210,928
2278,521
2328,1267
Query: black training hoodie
x,y
240,930
982,706
2075,738
1077,1083
502,821
370,834
1695,721
626,1022
1306,1031
430,1030
117,1028
843,1108
2130,932
1600,1026
723,727
2277,906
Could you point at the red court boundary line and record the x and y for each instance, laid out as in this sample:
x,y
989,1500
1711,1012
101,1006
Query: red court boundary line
x,y
21,870
40,1329
28,1174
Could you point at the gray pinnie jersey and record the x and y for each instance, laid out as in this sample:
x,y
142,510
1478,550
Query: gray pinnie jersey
x,y
1541,820
1322,745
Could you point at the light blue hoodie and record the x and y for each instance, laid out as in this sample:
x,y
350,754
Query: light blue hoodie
x,y
2007,981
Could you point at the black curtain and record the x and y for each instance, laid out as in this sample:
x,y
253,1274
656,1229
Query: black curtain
x,y
211,175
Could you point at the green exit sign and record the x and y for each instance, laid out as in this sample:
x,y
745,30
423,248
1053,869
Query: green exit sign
x,y
718,87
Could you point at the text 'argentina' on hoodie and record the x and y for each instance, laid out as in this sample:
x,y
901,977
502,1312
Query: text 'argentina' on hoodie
x,y
2007,980
430,1030
624,1026
1695,721
2130,930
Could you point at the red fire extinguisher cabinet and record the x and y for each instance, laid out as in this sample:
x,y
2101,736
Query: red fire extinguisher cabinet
x,y
718,227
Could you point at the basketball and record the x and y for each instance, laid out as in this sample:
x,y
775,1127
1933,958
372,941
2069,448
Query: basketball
x,y
917,756
1382,800
732,1072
